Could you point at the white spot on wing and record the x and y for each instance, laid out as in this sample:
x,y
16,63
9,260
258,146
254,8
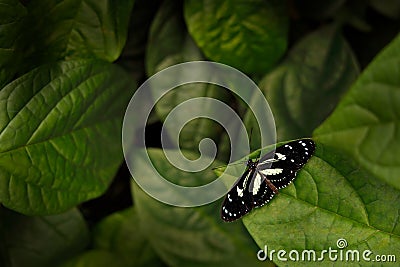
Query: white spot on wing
x,y
280,156
267,161
245,180
271,171
257,183
239,191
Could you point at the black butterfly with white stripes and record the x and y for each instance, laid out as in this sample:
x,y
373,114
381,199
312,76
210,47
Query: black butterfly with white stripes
x,y
264,177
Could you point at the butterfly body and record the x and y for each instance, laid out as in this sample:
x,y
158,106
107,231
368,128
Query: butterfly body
x,y
264,177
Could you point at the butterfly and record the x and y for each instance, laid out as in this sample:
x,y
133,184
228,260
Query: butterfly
x,y
264,177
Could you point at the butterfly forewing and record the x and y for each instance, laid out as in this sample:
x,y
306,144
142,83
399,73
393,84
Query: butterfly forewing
x,y
277,168
288,160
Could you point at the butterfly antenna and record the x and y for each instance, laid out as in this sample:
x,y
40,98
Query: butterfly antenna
x,y
251,135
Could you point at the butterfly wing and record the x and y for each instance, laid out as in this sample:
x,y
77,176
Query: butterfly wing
x,y
259,190
287,161
238,201
279,167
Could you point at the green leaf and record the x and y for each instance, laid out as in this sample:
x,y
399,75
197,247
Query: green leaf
x,y
120,234
170,44
365,122
60,135
354,13
41,241
12,13
94,258
250,36
331,198
192,236
133,54
76,29
306,87
102,30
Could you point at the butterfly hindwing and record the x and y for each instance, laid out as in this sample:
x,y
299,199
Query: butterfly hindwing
x,y
283,179
238,201
260,191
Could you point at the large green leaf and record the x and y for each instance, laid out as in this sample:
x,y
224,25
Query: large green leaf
x,y
40,241
120,234
248,35
331,198
60,134
170,44
192,236
365,122
12,13
133,54
306,87
75,29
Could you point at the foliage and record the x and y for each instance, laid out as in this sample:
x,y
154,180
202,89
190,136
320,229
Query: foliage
x,y
68,69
